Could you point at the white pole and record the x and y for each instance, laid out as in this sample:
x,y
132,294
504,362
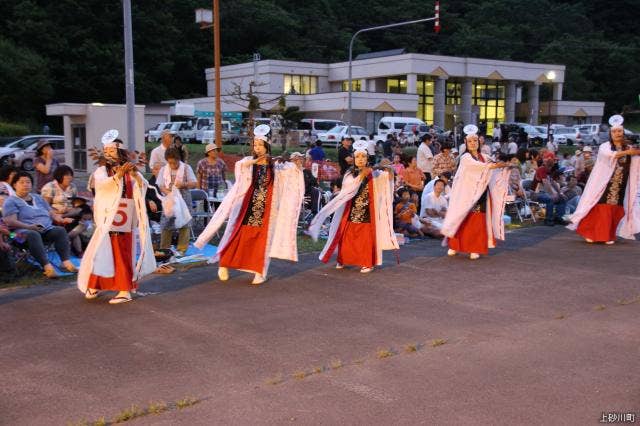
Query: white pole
x,y
129,79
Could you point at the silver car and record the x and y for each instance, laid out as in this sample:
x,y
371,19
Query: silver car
x,y
21,152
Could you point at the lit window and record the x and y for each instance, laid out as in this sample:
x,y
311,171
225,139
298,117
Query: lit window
x,y
397,85
300,84
356,85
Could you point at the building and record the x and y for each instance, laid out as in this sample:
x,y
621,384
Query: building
x,y
84,125
441,90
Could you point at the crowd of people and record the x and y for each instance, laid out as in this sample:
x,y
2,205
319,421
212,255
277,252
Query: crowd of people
x,y
383,194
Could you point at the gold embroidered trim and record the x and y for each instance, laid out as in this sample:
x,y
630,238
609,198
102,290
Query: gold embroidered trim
x,y
360,207
258,199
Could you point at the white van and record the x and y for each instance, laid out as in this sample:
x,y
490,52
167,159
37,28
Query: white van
x,y
318,125
209,134
388,125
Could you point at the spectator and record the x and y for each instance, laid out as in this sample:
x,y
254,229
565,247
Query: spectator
x,y
531,164
181,147
547,193
583,177
572,193
434,209
425,157
317,153
153,202
445,178
336,186
44,163
412,176
8,270
552,146
210,171
312,192
397,165
512,147
403,215
497,133
387,146
372,147
523,137
444,162
32,217
176,174
59,193
6,176
345,155
157,153
515,178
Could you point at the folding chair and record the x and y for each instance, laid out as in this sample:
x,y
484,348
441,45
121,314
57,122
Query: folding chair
x,y
201,208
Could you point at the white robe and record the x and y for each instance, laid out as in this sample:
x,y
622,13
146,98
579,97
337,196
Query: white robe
x,y
98,257
471,180
597,184
431,202
286,202
383,202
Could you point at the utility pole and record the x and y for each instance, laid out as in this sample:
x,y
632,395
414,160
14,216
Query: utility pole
x,y
129,78
216,64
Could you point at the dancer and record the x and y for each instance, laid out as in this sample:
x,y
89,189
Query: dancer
x,y
362,224
606,208
476,204
263,208
109,262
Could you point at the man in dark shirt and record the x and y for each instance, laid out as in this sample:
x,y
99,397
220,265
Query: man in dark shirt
x,y
387,147
345,155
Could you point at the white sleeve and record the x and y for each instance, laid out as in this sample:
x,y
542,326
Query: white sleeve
x,y
160,177
191,177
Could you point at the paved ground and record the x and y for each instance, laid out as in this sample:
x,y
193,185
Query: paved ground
x,y
541,332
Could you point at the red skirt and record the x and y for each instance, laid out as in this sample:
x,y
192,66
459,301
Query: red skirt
x,y
247,248
357,245
471,236
122,247
601,223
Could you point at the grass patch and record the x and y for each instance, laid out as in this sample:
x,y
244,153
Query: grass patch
x,y
411,348
300,374
129,414
275,380
307,245
384,353
336,364
186,402
157,407
437,342
600,308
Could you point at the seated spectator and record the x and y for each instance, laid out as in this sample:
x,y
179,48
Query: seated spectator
x,y
59,193
413,177
312,192
572,193
547,193
176,174
512,146
387,146
317,153
31,216
434,209
210,171
443,162
152,199
397,165
515,178
8,270
445,179
182,148
530,166
336,186
403,215
6,176
583,177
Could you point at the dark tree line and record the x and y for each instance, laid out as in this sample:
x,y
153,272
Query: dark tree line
x,y
71,50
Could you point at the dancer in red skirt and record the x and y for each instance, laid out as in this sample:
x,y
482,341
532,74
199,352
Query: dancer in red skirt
x,y
606,207
262,209
109,262
362,225
476,204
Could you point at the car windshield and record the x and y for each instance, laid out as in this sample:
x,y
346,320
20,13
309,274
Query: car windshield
x,y
337,129
175,126
326,125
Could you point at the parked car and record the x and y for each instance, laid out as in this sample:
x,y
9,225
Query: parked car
x,y
6,140
603,135
588,133
535,136
395,125
318,125
423,129
21,152
335,135
154,134
566,136
228,136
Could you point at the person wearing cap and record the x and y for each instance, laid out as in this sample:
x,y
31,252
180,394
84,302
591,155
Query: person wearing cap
x,y
362,223
109,261
44,163
424,157
555,205
262,208
607,207
157,154
474,218
211,170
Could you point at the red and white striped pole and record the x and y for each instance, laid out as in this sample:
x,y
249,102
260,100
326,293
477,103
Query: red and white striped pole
x,y
436,27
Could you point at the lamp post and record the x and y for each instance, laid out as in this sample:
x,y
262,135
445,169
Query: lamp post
x,y
211,18
381,27
551,75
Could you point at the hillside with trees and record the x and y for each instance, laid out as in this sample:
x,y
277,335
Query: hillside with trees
x,y
71,50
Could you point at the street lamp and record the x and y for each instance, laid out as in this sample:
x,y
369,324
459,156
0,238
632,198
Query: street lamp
x,y
381,27
211,18
551,75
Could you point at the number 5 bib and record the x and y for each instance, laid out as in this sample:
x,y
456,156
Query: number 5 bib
x,y
123,219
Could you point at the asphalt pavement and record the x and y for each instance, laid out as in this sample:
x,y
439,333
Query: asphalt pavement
x,y
546,330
